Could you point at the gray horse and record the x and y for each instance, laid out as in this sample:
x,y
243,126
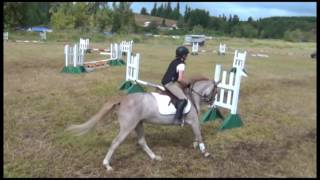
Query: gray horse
x,y
137,108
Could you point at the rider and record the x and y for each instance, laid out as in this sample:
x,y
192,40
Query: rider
x,y
175,75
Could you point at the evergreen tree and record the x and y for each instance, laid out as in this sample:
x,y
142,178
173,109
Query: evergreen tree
x,y
169,11
177,12
235,20
144,11
154,10
160,11
224,18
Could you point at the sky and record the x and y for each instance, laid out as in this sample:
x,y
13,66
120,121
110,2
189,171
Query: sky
x,y
242,9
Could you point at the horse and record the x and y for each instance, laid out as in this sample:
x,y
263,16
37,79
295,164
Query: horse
x,y
138,108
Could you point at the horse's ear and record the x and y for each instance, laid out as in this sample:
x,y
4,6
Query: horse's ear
x,y
216,83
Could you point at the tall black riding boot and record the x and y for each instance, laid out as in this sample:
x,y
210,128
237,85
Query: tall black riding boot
x,y
180,107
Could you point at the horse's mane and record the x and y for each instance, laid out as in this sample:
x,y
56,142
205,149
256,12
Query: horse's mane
x,y
196,78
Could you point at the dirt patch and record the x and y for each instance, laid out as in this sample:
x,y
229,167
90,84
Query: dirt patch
x,y
293,82
262,153
311,135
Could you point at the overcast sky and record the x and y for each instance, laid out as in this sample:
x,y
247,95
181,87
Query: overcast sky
x,y
242,9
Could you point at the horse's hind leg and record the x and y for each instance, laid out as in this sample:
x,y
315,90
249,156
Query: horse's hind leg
x,y
125,129
142,142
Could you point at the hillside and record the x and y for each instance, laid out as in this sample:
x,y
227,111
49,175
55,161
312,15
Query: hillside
x,y
140,19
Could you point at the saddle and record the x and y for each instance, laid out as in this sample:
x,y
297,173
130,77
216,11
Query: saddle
x,y
173,99
167,102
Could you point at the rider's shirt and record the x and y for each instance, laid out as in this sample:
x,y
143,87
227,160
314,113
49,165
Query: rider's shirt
x,y
172,72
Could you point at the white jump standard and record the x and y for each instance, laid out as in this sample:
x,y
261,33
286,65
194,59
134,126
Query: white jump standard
x,y
114,59
74,59
6,36
231,89
222,49
195,48
126,46
132,82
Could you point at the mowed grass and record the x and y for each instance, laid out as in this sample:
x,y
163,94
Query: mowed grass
x,y
277,105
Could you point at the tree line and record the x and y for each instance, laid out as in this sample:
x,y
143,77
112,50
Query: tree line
x,y
200,21
119,18
85,16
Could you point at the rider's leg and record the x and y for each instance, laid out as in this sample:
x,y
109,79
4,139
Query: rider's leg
x,y
177,91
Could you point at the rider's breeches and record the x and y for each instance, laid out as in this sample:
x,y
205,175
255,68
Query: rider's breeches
x,y
175,89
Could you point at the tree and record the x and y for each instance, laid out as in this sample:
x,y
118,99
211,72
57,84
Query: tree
x,y
176,12
230,18
250,20
198,17
235,19
26,14
123,18
168,11
198,29
104,18
224,18
152,28
186,13
154,10
160,11
62,18
180,22
144,11
294,36
12,13
247,30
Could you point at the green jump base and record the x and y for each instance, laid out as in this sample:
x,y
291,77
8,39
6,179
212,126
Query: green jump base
x,y
232,121
131,87
211,115
125,85
116,62
73,70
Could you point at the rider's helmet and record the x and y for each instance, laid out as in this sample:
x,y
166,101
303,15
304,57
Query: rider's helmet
x,y
181,51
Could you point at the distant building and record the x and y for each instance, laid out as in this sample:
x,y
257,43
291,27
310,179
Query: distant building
x,y
174,26
189,39
146,24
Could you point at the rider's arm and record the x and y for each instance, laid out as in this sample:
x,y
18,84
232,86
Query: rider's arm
x,y
181,78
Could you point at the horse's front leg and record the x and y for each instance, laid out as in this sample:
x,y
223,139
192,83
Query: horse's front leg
x,y
195,125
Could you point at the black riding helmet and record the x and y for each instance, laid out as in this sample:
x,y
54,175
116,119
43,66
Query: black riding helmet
x,y
180,51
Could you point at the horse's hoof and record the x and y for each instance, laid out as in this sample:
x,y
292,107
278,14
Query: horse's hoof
x,y
158,158
195,145
109,168
206,154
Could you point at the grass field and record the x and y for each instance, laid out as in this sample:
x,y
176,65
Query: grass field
x,y
277,105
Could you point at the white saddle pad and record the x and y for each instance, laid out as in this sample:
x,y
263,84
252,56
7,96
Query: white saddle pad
x,y
165,108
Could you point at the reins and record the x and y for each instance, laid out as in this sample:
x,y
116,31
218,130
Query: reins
x,y
209,100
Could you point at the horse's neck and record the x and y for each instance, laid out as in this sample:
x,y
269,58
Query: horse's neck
x,y
198,86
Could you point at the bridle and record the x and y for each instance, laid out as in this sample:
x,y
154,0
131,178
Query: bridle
x,y
204,98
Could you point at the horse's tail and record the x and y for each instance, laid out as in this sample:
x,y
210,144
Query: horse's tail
x,y
85,127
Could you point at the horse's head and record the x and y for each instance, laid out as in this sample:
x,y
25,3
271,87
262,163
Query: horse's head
x,y
204,88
